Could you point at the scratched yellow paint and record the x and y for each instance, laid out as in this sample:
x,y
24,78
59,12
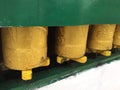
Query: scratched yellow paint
x,y
71,41
101,37
25,48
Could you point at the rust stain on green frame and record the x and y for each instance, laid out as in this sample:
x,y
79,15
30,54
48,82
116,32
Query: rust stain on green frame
x,y
58,12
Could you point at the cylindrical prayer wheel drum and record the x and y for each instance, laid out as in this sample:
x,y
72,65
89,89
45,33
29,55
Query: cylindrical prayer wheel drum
x,y
25,48
101,38
116,40
71,41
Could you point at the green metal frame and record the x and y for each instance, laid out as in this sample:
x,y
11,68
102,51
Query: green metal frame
x,y
43,76
55,13
58,12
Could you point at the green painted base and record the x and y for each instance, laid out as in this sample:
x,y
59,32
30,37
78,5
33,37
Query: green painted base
x,y
10,80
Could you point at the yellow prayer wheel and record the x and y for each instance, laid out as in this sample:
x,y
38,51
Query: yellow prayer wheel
x,y
116,40
101,38
25,48
71,43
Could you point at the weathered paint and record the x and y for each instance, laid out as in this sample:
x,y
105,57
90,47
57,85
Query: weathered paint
x,y
101,38
71,42
25,48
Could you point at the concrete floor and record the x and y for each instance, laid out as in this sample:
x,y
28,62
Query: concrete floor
x,y
105,77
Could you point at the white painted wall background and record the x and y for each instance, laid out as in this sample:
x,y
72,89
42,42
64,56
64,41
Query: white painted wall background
x,y
105,77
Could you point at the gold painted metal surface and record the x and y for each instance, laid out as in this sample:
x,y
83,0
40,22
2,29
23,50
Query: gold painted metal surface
x,y
25,48
116,40
26,75
71,41
101,38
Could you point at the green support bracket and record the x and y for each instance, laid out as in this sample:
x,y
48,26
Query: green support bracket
x,y
58,12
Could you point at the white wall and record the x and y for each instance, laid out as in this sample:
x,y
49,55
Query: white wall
x,y
105,77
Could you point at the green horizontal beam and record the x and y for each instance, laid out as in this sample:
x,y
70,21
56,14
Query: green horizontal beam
x,y
58,12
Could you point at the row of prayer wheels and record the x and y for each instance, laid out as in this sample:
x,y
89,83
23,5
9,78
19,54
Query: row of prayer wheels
x,y
25,48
